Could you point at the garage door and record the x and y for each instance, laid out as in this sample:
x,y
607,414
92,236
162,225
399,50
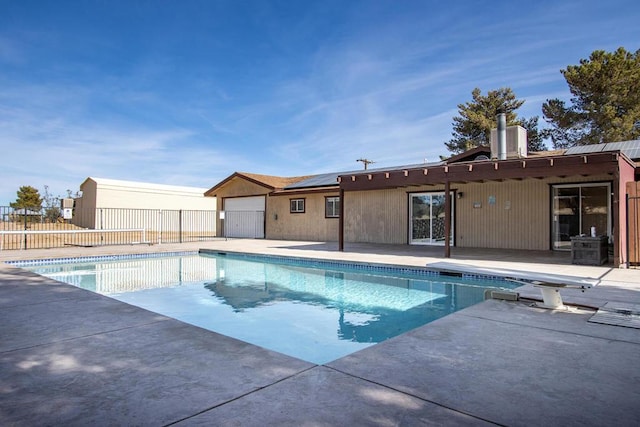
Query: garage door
x,y
244,217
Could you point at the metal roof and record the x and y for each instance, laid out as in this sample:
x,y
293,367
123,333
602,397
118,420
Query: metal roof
x,y
630,149
328,179
143,185
321,180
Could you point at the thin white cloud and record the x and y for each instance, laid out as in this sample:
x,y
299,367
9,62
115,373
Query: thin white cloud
x,y
304,94
44,146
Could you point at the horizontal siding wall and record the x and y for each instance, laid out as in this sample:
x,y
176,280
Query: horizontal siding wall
x,y
310,225
378,216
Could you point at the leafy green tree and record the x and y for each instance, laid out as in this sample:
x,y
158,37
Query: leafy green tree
x,y
28,198
472,128
605,103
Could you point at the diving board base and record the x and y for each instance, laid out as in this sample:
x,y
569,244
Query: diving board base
x,y
550,298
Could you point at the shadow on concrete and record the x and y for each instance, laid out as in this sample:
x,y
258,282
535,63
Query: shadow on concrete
x,y
480,254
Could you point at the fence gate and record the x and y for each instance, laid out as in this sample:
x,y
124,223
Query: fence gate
x,y
633,223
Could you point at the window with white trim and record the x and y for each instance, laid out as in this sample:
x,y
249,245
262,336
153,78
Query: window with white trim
x,y
296,205
332,207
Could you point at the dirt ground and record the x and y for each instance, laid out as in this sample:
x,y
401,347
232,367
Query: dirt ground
x,y
56,235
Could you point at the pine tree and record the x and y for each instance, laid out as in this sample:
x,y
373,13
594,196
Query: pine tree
x,y
472,128
605,103
28,198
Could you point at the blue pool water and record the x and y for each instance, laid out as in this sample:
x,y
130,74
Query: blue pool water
x,y
315,314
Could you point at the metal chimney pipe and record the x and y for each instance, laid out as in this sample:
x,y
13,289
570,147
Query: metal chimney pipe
x,y
502,135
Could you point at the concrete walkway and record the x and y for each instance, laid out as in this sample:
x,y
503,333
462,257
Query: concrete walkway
x,y
72,357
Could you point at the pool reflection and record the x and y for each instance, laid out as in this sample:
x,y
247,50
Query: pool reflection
x,y
369,308
314,314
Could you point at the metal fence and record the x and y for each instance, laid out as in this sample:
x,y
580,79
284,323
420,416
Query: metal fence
x,y
46,228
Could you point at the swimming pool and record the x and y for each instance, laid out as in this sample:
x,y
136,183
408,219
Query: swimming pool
x,y
314,310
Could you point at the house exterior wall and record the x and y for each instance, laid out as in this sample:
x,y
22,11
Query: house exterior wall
x,y
310,225
519,219
376,216
633,194
626,175
237,187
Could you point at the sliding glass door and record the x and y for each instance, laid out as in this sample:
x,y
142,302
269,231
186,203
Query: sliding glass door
x,y
426,219
578,207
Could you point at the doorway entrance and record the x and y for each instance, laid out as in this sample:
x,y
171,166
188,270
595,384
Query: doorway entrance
x,y
427,217
576,209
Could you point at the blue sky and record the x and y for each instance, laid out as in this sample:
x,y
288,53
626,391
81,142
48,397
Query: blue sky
x,y
187,92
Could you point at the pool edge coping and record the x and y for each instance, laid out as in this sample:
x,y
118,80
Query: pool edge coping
x,y
309,261
371,266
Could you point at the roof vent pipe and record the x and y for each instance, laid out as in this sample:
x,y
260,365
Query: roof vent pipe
x,y
502,135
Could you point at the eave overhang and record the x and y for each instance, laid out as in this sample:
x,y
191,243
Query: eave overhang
x,y
309,190
212,191
489,170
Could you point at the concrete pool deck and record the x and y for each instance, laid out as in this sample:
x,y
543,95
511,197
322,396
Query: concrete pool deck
x,y
72,357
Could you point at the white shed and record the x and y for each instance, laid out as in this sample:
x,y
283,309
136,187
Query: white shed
x,y
110,203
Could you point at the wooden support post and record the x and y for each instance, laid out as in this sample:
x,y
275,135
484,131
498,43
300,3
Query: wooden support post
x,y
447,219
341,223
